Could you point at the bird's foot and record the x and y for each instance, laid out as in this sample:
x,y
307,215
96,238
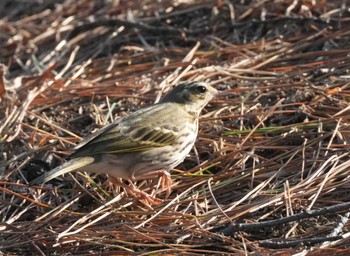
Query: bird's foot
x,y
152,200
165,180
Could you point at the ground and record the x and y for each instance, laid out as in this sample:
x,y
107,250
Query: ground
x,y
274,146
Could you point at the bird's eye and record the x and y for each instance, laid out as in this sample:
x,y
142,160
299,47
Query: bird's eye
x,y
201,89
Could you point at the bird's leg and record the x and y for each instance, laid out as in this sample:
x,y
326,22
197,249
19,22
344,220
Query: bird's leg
x,y
137,192
164,176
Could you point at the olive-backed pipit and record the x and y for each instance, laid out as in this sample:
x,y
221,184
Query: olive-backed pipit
x,y
146,143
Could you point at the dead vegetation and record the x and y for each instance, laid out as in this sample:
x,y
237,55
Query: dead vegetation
x,y
274,147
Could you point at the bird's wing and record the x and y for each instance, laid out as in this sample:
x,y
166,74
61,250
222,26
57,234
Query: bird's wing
x,y
92,136
137,132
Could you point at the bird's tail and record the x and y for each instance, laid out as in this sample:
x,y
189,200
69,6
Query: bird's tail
x,y
71,165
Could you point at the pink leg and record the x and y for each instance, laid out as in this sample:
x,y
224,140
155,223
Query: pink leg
x,y
164,176
141,194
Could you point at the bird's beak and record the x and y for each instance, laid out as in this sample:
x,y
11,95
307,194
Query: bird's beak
x,y
213,91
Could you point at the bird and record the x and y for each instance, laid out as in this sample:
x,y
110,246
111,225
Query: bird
x,y
146,143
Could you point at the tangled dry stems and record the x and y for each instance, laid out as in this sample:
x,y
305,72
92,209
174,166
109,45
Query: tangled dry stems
x,y
273,145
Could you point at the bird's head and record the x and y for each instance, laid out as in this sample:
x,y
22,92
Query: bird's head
x,y
192,95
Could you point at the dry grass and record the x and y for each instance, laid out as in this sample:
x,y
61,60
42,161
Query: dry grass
x,y
275,144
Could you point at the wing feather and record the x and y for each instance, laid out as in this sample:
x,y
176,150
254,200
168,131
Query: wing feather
x,y
124,136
